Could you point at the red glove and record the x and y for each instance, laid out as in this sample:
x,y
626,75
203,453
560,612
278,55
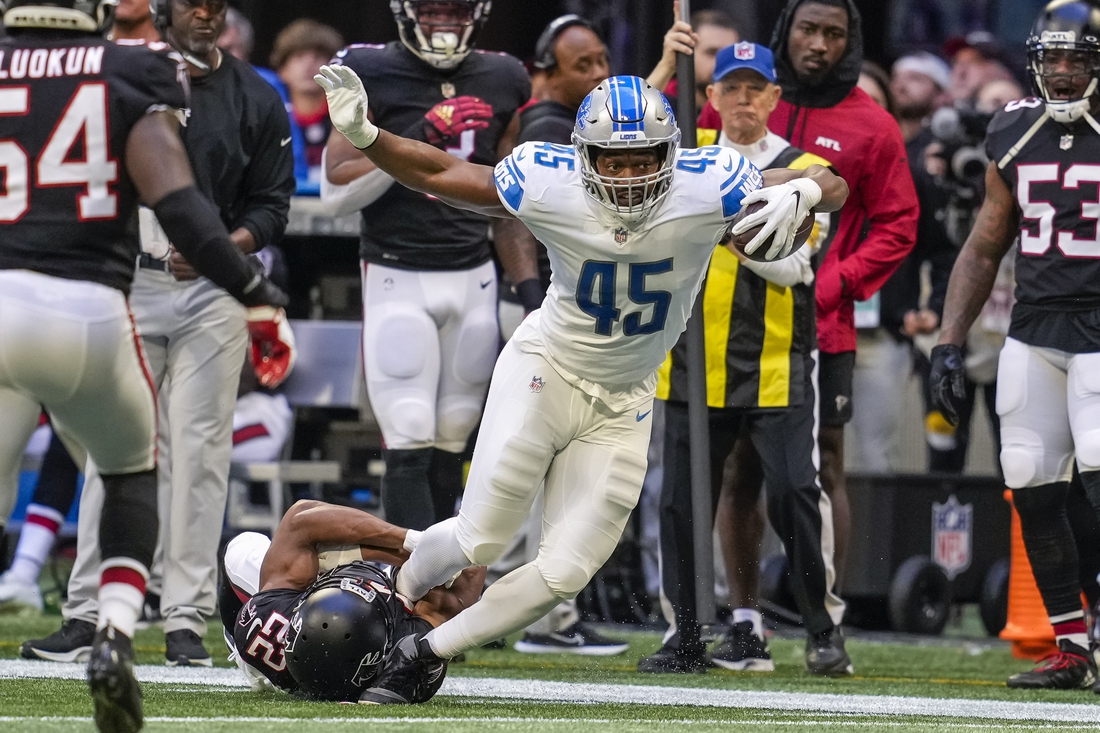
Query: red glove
x,y
273,351
452,117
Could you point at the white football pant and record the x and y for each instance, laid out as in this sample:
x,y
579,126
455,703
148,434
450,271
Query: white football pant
x,y
537,425
1049,404
71,345
429,343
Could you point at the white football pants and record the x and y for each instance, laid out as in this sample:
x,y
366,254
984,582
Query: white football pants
x,y
537,425
195,336
1049,404
429,343
71,345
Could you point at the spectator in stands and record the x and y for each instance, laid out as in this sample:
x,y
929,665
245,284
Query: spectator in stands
x,y
885,355
238,38
713,31
300,50
874,80
818,47
975,60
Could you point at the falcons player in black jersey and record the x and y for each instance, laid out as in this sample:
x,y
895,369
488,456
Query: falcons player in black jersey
x,y
430,334
325,636
1042,187
87,129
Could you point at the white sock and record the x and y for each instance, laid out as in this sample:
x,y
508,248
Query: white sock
x,y
121,594
35,542
514,601
436,559
740,615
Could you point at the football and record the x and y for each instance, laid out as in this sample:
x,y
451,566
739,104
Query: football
x,y
759,255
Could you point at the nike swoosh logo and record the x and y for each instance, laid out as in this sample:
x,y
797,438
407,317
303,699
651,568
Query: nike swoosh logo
x,y
642,416
729,165
520,155
486,284
570,640
283,143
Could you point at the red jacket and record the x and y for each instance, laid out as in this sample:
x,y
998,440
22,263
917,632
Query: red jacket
x,y
864,144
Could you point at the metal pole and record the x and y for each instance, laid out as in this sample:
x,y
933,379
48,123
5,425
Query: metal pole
x,y
698,425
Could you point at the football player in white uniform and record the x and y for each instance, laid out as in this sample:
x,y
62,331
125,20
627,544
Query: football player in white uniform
x,y
629,221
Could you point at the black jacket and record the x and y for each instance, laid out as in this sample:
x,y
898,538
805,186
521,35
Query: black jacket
x,y
238,141
840,79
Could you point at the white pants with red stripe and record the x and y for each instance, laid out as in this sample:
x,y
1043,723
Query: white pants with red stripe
x,y
71,345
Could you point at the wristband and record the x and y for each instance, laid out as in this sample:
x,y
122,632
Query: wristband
x,y
530,294
412,538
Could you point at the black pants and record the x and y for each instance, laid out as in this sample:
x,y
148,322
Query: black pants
x,y
785,441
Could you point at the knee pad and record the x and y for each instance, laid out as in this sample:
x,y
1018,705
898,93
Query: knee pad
x,y
1019,464
1087,447
455,422
401,342
476,347
565,579
410,419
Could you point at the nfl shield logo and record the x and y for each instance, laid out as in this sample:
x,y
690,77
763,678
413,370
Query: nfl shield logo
x,y
448,90
952,524
744,51
620,236
537,384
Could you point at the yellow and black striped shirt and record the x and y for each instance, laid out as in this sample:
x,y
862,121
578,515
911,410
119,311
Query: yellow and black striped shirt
x,y
759,336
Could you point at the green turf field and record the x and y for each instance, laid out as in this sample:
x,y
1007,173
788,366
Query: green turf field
x,y
961,672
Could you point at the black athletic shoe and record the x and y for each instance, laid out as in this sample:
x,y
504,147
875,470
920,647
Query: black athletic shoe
x,y
667,660
577,639
1069,668
71,643
825,654
742,650
184,649
111,681
150,611
411,675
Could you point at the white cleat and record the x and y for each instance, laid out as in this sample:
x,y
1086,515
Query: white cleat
x,y
19,597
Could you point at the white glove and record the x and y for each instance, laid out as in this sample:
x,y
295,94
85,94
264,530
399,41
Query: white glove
x,y
786,205
347,104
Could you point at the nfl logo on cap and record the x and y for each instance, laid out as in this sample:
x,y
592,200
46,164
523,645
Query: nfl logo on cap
x,y
744,51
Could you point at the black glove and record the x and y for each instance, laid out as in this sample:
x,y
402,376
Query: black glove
x,y
262,291
947,382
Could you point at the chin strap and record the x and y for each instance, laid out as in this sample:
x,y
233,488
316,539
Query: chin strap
x,y
1015,150
1092,122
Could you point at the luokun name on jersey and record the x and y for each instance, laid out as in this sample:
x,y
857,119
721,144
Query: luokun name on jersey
x,y
27,63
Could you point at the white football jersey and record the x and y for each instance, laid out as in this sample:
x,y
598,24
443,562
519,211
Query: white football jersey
x,y
618,299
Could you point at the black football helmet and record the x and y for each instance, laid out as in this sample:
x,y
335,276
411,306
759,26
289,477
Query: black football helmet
x,y
338,638
1066,26
443,50
90,16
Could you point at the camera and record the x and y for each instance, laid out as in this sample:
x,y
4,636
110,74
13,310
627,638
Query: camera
x,y
960,131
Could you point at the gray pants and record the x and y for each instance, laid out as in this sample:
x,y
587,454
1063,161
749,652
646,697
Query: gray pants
x,y
194,336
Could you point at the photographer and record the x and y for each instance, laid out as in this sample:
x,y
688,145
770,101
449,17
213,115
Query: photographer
x,y
958,162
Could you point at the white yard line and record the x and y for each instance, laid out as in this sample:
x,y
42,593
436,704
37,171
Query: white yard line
x,y
515,689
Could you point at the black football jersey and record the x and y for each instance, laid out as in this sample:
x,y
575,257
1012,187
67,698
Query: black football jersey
x,y
67,105
263,622
1055,179
412,230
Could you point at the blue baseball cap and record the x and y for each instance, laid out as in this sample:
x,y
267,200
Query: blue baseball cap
x,y
745,55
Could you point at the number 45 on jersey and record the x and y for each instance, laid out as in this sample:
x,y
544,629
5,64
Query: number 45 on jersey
x,y
596,296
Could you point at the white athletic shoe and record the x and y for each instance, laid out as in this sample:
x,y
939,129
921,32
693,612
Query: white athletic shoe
x,y
18,597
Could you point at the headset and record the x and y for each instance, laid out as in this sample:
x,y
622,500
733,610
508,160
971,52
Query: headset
x,y
162,15
545,57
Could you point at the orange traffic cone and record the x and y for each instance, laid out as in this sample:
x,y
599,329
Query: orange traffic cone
x,y
1028,627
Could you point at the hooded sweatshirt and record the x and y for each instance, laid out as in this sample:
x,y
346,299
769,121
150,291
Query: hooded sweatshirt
x,y
839,122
